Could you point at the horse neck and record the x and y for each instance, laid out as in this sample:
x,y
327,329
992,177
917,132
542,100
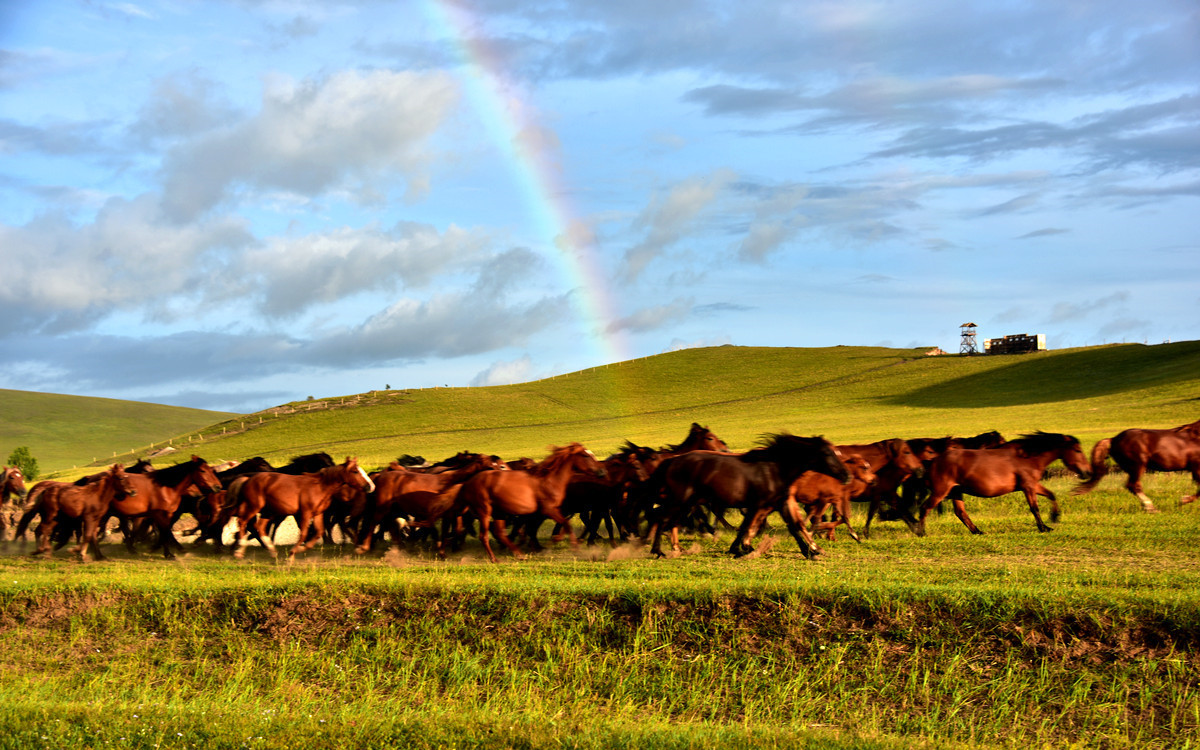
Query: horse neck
x,y
556,479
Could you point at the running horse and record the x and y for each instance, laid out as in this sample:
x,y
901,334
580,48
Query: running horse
x,y
495,496
1137,451
162,495
990,472
86,501
756,481
271,495
12,484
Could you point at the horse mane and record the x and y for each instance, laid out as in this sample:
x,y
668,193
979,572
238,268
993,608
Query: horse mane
x,y
983,440
1192,429
143,466
1042,442
308,463
173,475
559,456
776,445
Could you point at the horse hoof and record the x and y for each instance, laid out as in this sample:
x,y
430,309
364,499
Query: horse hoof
x,y
1044,529
1187,499
1054,518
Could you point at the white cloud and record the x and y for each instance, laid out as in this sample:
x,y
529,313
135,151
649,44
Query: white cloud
x,y
350,128
506,372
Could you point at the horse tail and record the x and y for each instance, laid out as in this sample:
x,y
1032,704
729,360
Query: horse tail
x,y
1099,467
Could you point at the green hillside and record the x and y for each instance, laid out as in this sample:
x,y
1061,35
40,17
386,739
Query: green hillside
x,y
65,431
848,394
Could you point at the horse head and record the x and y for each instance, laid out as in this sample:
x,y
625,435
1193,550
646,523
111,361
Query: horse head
x,y
903,457
354,476
13,481
120,480
205,477
1074,458
795,455
859,468
700,438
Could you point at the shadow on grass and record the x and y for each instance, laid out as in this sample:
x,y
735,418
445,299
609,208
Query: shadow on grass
x,y
1046,377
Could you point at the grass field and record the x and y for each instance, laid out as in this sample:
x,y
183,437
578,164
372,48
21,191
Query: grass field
x,y
1088,636
66,431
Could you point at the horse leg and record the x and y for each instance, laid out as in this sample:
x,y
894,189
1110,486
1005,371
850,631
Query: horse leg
x,y
751,522
1134,485
239,539
960,510
556,515
265,539
1195,478
304,523
794,518
166,537
872,509
844,513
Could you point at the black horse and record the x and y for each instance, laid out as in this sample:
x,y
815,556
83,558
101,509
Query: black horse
x,y
756,481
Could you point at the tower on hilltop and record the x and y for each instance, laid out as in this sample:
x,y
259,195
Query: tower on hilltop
x,y
967,345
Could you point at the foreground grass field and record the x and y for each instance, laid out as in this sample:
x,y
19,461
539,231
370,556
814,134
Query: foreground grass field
x,y
1084,637
1088,636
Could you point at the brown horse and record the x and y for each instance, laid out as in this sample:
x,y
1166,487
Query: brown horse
x,y
162,494
270,495
12,484
916,488
817,492
86,502
423,495
990,472
893,461
1137,451
756,482
494,496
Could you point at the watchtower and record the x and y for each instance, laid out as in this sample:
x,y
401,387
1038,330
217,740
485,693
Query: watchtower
x,y
967,345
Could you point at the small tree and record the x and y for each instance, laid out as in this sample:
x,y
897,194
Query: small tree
x,y
24,460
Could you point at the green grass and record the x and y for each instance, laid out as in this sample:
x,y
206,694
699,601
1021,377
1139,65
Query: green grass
x,y
1088,636
65,431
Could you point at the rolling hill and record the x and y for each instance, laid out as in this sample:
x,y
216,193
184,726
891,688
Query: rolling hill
x,y
848,394
64,431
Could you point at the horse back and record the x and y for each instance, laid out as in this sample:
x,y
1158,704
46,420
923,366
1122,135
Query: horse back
x,y
1159,450
512,492
985,472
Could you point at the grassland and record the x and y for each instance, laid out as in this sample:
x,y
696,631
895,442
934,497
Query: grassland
x,y
65,431
848,394
1088,636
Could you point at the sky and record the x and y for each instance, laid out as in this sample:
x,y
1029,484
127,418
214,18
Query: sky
x,y
233,205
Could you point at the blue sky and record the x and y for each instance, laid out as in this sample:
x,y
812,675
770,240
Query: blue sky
x,y
234,205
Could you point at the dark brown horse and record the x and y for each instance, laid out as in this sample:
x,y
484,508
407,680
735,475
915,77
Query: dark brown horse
x,y
270,495
162,495
85,502
892,461
1017,465
756,482
1137,451
422,495
496,496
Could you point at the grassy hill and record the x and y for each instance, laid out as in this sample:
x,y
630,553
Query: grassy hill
x,y
64,431
848,394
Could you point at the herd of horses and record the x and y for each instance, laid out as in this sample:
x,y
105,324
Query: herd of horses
x,y
638,493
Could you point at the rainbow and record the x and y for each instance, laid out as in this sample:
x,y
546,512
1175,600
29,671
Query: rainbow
x,y
515,130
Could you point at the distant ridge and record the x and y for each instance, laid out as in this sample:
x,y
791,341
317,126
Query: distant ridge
x,y
846,393
62,431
